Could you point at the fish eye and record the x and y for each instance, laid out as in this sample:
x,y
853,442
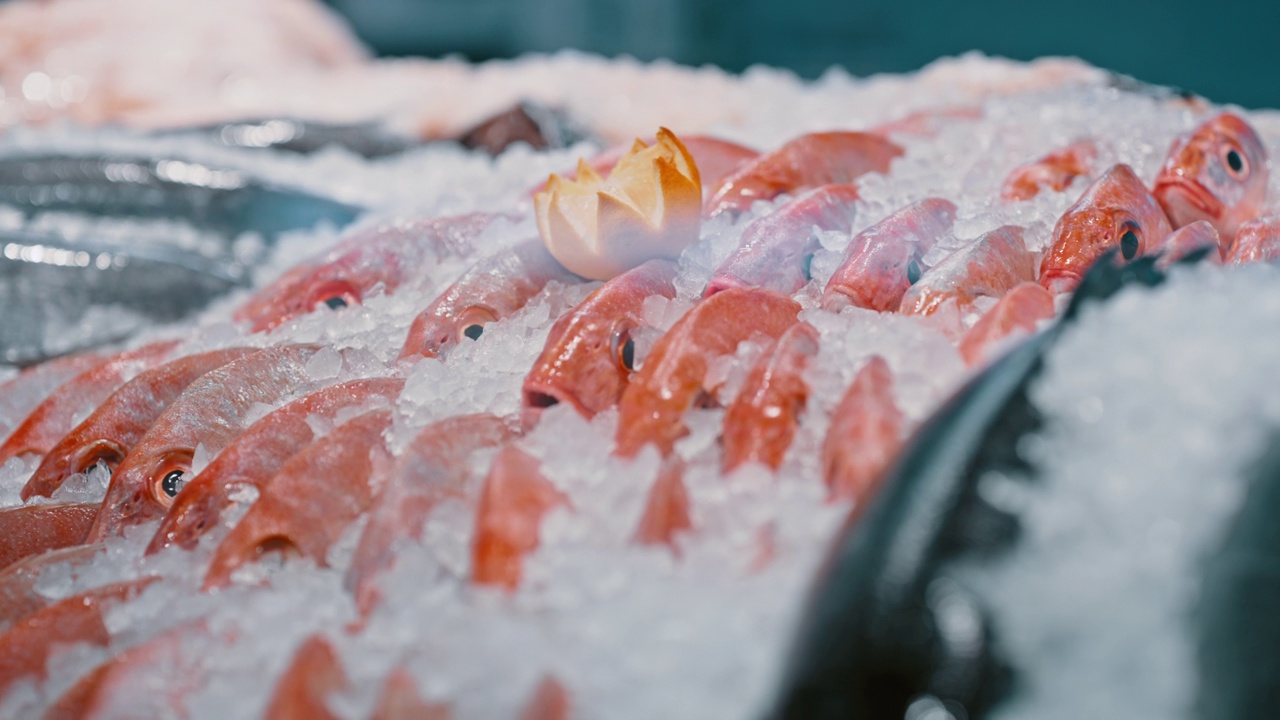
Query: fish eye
x,y
1235,161
471,322
624,351
336,303
473,331
335,295
172,482
1129,240
913,272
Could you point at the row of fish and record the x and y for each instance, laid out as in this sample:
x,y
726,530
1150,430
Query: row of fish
x,y
195,440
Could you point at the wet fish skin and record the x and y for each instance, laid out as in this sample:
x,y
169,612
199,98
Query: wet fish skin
x,y
761,422
1020,310
22,394
111,431
1055,171
877,269
1217,172
1115,211
775,250
433,468
666,509
589,354
802,163
399,700
311,501
864,436
19,596
255,456
513,503
673,375
313,675
989,266
29,530
56,415
210,413
1199,236
493,289
1257,240
386,255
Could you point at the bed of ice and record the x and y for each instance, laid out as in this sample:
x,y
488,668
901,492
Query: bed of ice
x,y
642,632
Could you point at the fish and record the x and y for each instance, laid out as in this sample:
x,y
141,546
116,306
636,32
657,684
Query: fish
x,y
864,436
314,673
74,399
433,468
761,422
1257,240
535,125
491,290
1217,172
666,509
1198,236
673,375
550,701
1115,211
776,250
1019,311
32,529
989,266
513,503
883,261
302,137
385,256
928,122
210,413
399,700
1055,171
51,282
22,394
805,162
111,431
310,502
255,456
590,353
869,642
26,646
222,200
19,595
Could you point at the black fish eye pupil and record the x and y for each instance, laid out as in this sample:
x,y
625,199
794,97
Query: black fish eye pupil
x,y
628,354
1234,161
913,271
172,483
473,331
335,302
1129,244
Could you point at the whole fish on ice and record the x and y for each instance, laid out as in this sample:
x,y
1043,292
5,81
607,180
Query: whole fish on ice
x,y
1055,171
987,267
761,422
1217,172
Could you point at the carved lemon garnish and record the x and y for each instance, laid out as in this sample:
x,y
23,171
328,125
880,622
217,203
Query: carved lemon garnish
x,y
649,207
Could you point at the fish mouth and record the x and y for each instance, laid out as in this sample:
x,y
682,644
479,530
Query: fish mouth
x,y
1061,281
537,397
722,282
1191,191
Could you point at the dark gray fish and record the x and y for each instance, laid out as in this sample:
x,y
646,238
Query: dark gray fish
x,y
370,140
885,627
228,202
48,284
1238,661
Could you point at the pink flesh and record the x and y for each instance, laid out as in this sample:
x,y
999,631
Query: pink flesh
x,y
313,675
990,266
761,422
1054,171
776,249
549,702
18,595
1020,310
1257,241
33,529
666,511
864,436
399,700
515,499
1199,235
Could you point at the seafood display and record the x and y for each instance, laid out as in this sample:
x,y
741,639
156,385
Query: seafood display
x,y
813,413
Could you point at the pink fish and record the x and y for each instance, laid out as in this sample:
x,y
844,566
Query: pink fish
x,y
761,422
1199,235
111,431
928,122
1256,241
32,529
254,457
493,289
673,375
433,468
1218,172
550,701
589,354
508,521
19,597
666,510
62,409
1020,310
311,501
805,162
313,675
776,250
989,266
1115,211
210,413
20,395
1055,171
399,700
864,436
883,261
388,255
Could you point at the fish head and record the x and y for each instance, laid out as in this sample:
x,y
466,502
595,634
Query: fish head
x,y
1217,173
437,329
142,488
1115,212
586,363
71,456
298,293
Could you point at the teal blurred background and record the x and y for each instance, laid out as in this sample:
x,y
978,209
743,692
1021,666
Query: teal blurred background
x,y
1220,50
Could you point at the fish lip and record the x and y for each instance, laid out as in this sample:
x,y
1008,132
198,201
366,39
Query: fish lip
x,y
1194,193
722,282
1061,281
538,396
